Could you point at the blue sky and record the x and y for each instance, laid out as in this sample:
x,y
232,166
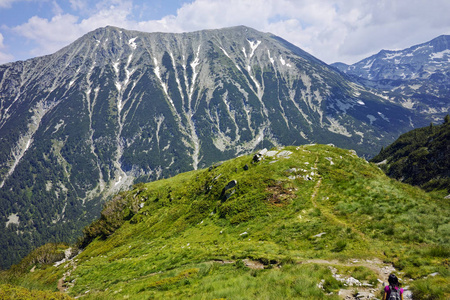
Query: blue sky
x,y
331,30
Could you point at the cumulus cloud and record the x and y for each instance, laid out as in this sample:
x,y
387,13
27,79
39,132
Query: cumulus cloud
x,y
7,3
62,29
332,30
4,57
1,41
49,35
78,4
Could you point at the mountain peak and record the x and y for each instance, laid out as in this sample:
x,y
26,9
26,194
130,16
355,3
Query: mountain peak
x,y
443,37
420,61
441,43
118,106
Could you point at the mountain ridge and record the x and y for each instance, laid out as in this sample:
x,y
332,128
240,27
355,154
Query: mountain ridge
x,y
415,77
117,107
439,44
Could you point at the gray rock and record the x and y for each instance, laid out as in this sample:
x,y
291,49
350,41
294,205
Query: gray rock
x,y
259,155
262,152
381,162
230,185
407,295
215,166
365,295
284,154
353,152
256,158
320,234
228,190
271,153
353,281
330,160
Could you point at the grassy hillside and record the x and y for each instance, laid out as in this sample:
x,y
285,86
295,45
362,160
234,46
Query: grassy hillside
x,y
420,157
293,225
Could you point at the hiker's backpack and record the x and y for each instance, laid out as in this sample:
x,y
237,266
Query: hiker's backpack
x,y
394,294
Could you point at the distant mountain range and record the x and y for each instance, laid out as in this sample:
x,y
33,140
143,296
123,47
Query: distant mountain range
x,y
417,77
118,107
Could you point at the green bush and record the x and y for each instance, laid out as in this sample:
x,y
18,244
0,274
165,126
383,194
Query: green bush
x,y
10,292
431,288
438,251
339,246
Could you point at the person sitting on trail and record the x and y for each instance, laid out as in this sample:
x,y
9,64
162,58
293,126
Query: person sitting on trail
x,y
393,291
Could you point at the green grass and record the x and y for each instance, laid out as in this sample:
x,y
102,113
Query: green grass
x,y
213,280
173,247
10,292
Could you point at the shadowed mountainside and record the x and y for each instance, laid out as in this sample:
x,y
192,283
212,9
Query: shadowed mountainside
x,y
420,157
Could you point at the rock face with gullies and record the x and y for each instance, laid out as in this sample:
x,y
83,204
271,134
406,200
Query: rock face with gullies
x,y
118,107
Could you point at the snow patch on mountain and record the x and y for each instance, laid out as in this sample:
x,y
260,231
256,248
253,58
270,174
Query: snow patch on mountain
x,y
383,116
132,43
371,119
336,127
12,219
440,55
225,52
253,46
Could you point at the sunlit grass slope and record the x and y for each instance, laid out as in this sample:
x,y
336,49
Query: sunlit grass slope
x,y
194,235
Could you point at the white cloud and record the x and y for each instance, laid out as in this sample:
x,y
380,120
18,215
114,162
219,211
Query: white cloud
x,y
332,30
51,35
1,41
4,57
8,3
78,4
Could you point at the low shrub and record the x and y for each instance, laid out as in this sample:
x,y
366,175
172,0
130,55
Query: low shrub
x,y
10,292
431,288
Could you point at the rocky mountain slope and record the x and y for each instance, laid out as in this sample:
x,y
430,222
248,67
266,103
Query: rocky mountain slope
x,y
309,222
417,77
118,106
420,157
